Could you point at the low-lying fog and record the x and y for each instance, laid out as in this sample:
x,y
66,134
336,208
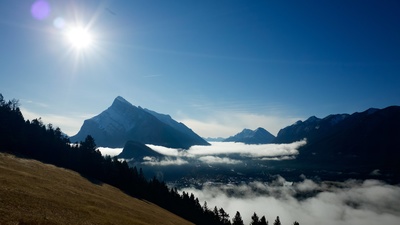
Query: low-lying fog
x,y
352,202
218,153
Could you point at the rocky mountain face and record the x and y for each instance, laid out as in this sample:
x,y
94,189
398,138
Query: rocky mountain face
x,y
257,136
123,121
369,138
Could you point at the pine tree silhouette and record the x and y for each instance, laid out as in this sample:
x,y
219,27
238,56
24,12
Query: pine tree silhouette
x,y
277,221
237,220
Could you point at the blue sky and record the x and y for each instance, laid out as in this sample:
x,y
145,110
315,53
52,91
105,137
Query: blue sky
x,y
217,66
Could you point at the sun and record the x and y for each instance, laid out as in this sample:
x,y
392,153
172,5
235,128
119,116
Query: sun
x,y
79,37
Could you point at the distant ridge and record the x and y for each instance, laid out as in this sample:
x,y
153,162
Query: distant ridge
x,y
217,139
366,139
123,122
257,136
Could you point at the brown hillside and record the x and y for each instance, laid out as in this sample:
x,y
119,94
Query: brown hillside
x,y
32,192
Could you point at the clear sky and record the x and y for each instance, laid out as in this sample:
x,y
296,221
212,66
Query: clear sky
x,y
218,66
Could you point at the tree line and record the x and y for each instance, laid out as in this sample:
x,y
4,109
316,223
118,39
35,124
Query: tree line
x,y
33,139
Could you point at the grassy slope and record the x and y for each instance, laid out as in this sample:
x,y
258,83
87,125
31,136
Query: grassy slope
x,y
35,193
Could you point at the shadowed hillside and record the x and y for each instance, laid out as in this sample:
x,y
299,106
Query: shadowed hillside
x,y
36,193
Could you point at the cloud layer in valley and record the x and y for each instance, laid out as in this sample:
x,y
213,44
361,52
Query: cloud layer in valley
x,y
110,151
253,151
228,152
352,202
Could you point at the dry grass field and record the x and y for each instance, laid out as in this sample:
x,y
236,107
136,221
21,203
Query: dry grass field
x,y
32,192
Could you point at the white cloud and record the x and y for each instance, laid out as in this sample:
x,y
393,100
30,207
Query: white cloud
x,y
262,150
278,158
110,151
165,162
218,160
165,150
212,154
331,203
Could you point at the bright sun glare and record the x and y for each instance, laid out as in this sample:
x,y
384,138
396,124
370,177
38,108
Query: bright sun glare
x,y
79,37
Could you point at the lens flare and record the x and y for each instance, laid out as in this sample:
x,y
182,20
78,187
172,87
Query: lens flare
x,y
40,9
59,23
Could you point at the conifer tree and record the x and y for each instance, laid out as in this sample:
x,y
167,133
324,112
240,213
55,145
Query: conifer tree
x,y
205,207
277,221
89,144
224,217
216,213
263,221
296,223
237,220
254,219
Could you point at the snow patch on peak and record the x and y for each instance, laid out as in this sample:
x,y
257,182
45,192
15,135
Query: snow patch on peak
x,y
118,117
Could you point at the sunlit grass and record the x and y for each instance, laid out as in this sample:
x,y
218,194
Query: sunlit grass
x,y
35,193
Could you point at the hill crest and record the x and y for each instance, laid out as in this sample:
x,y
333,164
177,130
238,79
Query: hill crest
x,y
37,193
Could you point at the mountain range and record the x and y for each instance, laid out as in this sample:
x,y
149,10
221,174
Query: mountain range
x,y
367,139
257,136
123,122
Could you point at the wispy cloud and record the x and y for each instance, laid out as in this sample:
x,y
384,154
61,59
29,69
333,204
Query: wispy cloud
x,y
165,162
69,124
278,158
39,104
165,150
332,203
218,160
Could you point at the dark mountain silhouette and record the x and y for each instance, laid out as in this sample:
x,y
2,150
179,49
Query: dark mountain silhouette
x,y
257,136
123,121
136,150
311,127
368,139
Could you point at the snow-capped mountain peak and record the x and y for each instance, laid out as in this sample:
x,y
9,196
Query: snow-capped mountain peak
x,y
123,121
